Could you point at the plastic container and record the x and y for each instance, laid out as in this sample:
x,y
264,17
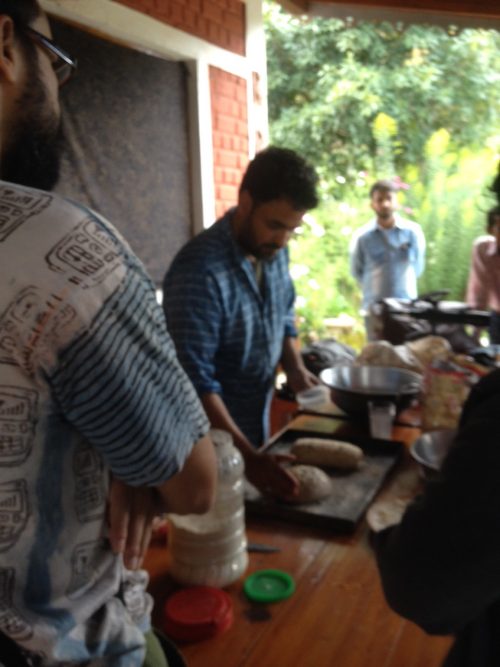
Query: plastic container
x,y
269,586
211,549
314,398
197,613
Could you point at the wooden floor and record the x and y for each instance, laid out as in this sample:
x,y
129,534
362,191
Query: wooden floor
x,y
337,617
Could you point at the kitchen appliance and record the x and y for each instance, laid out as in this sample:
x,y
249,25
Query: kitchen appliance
x,y
401,320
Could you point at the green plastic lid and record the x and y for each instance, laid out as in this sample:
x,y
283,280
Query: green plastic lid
x,y
269,586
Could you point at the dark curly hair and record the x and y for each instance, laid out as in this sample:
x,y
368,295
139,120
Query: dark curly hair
x,y
491,218
383,186
22,12
280,173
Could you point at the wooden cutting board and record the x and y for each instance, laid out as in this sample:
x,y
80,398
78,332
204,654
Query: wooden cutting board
x,y
352,491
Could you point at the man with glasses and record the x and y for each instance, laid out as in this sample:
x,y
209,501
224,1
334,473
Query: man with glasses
x,y
90,391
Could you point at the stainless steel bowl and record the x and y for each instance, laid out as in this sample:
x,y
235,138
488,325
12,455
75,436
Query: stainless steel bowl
x,y
353,387
430,450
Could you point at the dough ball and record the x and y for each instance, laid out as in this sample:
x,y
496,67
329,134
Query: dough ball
x,y
314,484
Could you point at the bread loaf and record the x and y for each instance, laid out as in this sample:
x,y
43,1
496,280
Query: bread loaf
x,y
314,484
383,353
323,452
429,349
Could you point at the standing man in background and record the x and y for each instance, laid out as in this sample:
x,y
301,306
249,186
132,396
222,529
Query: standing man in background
x,y
94,406
387,254
229,302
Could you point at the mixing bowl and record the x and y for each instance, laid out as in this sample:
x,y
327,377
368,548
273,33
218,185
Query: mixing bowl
x,y
430,450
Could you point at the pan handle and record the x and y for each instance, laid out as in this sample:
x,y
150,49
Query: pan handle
x,y
411,387
381,416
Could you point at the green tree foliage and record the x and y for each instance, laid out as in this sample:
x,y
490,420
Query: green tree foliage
x,y
371,101
328,83
450,199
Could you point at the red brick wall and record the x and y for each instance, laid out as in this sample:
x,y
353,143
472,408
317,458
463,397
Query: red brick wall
x,y
230,135
220,22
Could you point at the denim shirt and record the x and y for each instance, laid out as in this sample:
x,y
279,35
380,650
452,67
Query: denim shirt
x,y
387,262
228,331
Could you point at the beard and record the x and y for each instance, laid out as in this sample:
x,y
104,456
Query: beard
x,y
266,252
33,153
246,239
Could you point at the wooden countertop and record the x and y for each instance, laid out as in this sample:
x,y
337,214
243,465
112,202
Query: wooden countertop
x,y
337,617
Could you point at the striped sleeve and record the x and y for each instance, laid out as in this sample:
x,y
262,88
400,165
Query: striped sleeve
x,y
121,385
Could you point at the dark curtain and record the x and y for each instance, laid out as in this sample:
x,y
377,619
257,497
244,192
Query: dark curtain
x,y
125,118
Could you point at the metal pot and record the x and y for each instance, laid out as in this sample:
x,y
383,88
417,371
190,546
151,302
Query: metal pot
x,y
352,388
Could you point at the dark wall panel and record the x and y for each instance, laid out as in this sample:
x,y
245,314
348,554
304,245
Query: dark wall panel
x,y
127,151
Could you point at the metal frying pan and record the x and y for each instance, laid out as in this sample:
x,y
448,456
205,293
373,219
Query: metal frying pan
x,y
352,388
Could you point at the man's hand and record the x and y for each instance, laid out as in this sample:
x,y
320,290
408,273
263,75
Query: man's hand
x,y
266,473
130,513
297,376
300,378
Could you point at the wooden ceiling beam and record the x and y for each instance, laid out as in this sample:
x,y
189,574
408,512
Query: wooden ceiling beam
x,y
483,8
472,13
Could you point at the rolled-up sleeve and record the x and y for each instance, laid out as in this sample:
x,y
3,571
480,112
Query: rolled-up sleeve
x,y
290,327
419,250
121,386
356,258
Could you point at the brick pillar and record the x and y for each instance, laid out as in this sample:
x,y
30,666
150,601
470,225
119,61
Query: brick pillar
x,y
230,135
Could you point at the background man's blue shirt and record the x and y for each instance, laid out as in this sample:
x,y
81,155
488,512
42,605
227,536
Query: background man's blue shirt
x,y
229,332
387,262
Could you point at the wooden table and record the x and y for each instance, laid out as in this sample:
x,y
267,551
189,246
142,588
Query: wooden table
x,y
336,618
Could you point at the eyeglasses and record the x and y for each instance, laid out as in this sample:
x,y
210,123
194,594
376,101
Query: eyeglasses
x,y
63,64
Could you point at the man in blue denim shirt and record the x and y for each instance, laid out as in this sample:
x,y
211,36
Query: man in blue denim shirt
x,y
387,254
228,300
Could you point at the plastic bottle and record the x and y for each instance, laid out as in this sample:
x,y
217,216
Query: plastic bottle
x,y
210,549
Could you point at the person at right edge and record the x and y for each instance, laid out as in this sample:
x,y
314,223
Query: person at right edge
x,y
483,287
440,565
96,414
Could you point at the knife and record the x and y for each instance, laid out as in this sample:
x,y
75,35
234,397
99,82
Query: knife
x,y
262,548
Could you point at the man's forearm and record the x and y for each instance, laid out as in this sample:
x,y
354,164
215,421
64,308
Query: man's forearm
x,y
219,417
192,489
291,359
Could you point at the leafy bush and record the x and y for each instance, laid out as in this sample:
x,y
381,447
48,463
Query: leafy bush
x,y
448,196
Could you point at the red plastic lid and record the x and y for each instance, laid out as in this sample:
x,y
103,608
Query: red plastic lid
x,y
197,613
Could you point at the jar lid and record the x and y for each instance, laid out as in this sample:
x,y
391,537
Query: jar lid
x,y
198,612
269,586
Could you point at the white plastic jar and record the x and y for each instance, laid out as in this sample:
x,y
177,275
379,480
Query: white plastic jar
x,y
211,549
